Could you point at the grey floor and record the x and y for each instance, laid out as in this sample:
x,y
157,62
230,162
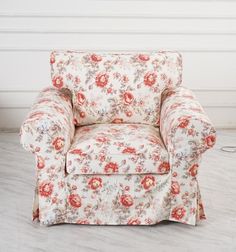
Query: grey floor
x,y
17,233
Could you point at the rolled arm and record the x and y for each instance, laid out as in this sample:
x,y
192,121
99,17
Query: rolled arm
x,y
184,120
47,132
187,132
49,125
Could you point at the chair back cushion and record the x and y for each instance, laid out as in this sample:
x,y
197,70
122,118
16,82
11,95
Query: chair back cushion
x,y
116,87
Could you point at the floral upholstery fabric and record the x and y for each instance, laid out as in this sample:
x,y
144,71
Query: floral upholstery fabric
x,y
49,125
110,88
131,199
132,174
47,132
187,132
117,149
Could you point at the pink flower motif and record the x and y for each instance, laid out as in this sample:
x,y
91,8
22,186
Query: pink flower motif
x,y
128,97
95,183
80,98
111,167
58,143
96,57
126,200
178,213
193,170
143,57
101,139
150,79
210,141
164,167
52,59
148,182
102,80
184,123
129,113
57,82
45,188
40,162
74,200
175,188
129,150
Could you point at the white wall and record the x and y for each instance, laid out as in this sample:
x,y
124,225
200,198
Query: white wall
x,y
204,31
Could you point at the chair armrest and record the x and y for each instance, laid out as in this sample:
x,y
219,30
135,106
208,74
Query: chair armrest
x,y
184,125
49,128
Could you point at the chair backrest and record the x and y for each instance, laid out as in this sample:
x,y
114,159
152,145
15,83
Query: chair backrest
x,y
116,87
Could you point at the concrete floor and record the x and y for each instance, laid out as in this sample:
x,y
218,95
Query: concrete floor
x,y
217,178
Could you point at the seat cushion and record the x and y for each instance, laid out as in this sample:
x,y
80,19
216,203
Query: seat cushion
x,y
117,149
111,87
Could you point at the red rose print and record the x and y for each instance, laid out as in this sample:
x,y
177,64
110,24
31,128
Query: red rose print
x,y
80,98
150,79
111,167
143,57
109,90
193,170
129,150
52,59
178,213
134,222
74,200
57,82
117,120
40,162
129,113
95,183
148,182
184,123
128,97
58,143
164,167
126,200
78,151
96,58
45,189
101,139
102,80
175,188
210,141
82,114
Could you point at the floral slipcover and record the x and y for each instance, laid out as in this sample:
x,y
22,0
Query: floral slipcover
x,y
110,88
122,173
117,149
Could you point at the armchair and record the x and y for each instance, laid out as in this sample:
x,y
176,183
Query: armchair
x,y
117,141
